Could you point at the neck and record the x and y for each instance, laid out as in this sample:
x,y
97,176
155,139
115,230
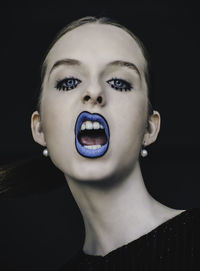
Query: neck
x,y
110,210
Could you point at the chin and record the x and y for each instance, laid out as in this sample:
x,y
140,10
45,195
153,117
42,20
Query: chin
x,y
91,171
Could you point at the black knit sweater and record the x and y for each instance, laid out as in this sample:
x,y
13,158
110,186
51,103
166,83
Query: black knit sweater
x,y
173,245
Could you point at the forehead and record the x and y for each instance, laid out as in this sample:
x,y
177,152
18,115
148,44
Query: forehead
x,y
94,44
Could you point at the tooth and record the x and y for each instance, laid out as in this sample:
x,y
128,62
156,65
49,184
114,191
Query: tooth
x,y
83,126
88,147
93,147
96,125
89,125
96,147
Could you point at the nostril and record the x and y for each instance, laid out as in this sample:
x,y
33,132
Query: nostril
x,y
99,99
86,98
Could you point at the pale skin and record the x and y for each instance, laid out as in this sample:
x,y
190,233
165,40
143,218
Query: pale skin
x,y
109,190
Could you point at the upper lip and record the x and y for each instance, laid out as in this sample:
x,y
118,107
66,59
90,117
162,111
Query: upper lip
x,y
83,116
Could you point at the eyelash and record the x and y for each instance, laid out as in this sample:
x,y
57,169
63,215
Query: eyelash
x,y
60,86
127,86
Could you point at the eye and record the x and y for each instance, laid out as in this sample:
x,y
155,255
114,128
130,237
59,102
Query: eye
x,y
67,83
119,84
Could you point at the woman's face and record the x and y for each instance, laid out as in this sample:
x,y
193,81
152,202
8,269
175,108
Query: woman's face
x,y
90,61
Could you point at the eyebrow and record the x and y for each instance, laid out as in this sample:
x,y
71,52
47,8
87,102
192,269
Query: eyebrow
x,y
67,61
122,63
75,62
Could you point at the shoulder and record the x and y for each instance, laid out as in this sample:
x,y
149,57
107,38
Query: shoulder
x,y
183,229
191,216
187,221
192,220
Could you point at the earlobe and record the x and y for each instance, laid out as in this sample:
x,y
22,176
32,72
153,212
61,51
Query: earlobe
x,y
153,129
36,129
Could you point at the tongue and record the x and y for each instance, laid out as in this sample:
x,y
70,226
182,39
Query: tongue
x,y
92,140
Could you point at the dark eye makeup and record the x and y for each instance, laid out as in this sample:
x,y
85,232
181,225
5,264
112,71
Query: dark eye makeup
x,y
69,83
120,84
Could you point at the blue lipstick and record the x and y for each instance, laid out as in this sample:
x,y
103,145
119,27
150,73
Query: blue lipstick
x,y
91,153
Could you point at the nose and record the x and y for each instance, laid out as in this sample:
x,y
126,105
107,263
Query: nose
x,y
94,98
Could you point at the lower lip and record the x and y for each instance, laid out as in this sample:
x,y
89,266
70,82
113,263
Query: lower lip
x,y
90,153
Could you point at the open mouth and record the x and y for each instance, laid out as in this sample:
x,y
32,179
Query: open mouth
x,y
91,135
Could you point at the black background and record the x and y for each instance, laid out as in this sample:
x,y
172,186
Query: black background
x,y
41,231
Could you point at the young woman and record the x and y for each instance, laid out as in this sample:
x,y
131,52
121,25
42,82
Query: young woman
x,y
94,120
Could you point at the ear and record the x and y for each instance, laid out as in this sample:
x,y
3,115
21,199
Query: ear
x,y
36,129
153,128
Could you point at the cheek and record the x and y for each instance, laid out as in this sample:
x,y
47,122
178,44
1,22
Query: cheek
x,y
129,129
132,115
57,122
56,112
59,134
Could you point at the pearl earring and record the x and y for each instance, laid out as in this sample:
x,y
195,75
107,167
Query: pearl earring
x,y
45,152
144,152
